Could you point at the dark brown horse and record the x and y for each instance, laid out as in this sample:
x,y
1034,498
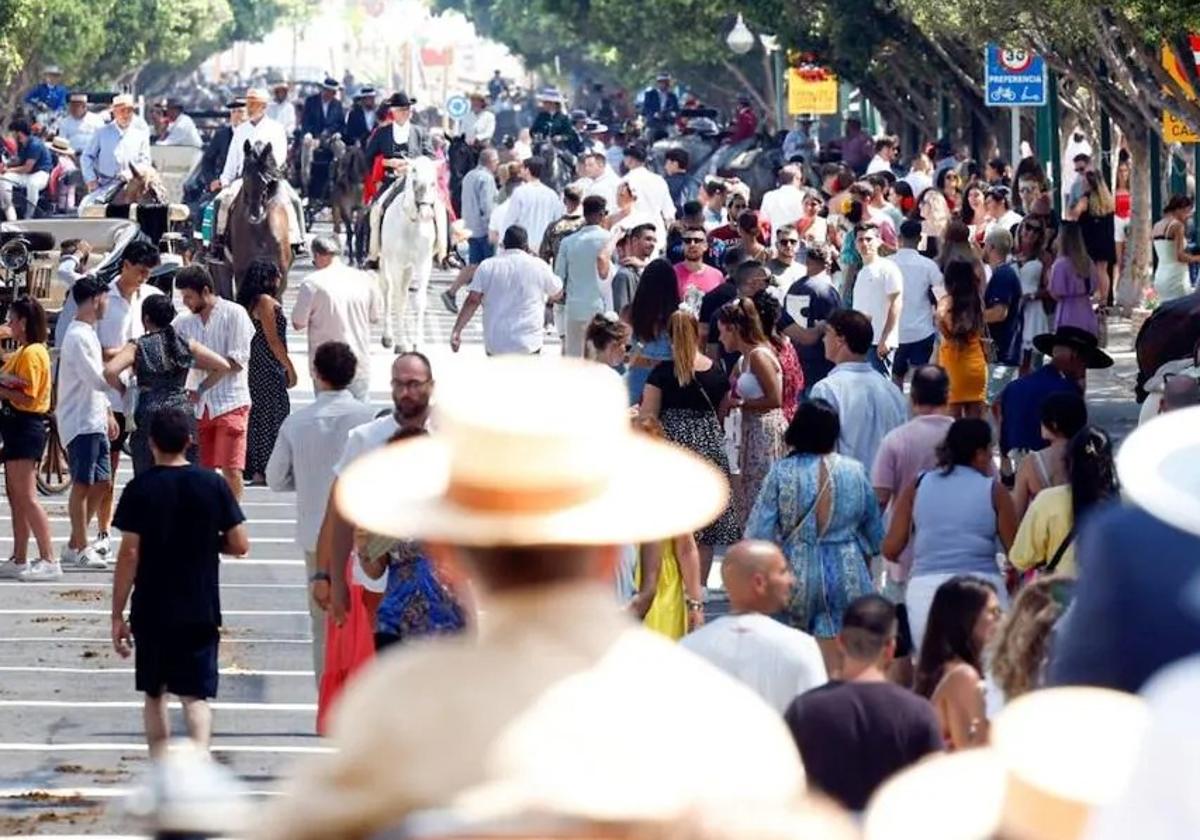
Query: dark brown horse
x,y
348,169
1171,332
143,186
258,216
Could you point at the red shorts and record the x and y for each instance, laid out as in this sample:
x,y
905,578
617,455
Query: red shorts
x,y
223,439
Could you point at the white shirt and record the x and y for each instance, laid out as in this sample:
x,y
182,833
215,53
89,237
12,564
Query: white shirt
x,y
283,113
81,408
921,276
183,132
533,206
605,186
310,442
1007,222
515,286
479,127
878,164
79,131
365,438
774,660
783,206
227,333
651,191
919,181
401,132
339,303
121,324
874,284
266,130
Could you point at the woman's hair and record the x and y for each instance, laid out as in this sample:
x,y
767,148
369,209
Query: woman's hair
x,y
158,311
950,629
906,202
814,428
656,298
684,331
1029,169
1123,174
938,214
1177,202
964,440
769,311
943,174
1071,246
1039,242
955,244
603,330
966,212
1022,644
262,278
1100,200
1090,470
742,315
1064,413
31,312
965,315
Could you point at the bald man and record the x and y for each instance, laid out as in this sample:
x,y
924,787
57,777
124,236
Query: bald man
x,y
771,658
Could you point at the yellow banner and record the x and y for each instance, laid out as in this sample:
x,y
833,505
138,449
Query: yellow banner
x,y
1176,130
808,96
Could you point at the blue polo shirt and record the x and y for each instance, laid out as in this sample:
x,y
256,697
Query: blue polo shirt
x,y
36,151
1021,407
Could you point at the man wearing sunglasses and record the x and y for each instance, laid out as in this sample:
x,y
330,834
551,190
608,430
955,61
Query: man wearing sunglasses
x,y
783,265
693,271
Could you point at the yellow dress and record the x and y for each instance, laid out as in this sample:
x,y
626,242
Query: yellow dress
x,y
966,365
668,611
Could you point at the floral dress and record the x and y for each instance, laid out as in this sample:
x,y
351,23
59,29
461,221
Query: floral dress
x,y
830,564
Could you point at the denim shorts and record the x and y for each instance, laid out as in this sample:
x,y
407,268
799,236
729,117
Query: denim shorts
x,y
479,249
88,457
912,354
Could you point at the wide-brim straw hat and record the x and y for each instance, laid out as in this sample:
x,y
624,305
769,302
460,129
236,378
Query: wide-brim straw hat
x,y
62,146
1057,755
257,95
1159,468
532,452
122,100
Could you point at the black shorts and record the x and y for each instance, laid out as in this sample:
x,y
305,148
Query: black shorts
x,y
117,446
179,661
904,639
24,435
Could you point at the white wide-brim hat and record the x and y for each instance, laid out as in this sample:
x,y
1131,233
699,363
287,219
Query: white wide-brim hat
x,y
532,452
1057,755
122,100
1159,468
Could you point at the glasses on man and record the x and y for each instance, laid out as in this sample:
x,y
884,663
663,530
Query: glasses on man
x,y
785,241
693,240
409,384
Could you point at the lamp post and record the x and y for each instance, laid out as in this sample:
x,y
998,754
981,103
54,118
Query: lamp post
x,y
741,40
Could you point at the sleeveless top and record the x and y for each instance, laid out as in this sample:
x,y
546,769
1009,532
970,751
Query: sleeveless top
x,y
748,387
954,523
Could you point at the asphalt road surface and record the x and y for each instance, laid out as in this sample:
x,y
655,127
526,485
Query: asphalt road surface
x,y
71,742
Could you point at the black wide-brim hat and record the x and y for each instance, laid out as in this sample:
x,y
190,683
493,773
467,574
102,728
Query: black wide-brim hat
x,y
400,100
1079,340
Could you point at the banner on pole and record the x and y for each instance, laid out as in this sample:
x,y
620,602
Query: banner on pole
x,y
809,93
1176,130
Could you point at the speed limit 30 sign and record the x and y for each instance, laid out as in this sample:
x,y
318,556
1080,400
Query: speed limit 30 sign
x,y
1014,77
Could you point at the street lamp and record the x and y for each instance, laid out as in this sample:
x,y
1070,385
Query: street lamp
x,y
740,39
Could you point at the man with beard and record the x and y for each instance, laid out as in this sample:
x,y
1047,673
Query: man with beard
x,y
223,408
412,386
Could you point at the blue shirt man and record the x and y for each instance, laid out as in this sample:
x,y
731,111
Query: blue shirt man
x,y
34,149
583,264
50,92
114,147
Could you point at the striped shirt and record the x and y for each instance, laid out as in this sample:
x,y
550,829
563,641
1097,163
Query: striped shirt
x,y
227,332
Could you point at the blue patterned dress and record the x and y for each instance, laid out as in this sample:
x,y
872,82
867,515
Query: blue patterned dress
x,y
416,604
831,567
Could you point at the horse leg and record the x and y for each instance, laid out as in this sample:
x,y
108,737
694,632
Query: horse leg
x,y
387,286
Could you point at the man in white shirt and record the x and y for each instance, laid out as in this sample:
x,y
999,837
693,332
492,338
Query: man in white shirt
x,y
774,660
85,424
479,124
79,124
785,204
598,178
922,280
533,205
339,303
885,155
121,324
997,204
282,110
182,130
514,287
223,407
653,196
309,444
877,294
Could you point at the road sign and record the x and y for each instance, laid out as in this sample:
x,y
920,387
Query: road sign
x,y
1013,78
811,95
457,106
1176,130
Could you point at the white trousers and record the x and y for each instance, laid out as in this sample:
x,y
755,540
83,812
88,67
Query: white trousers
x,y
33,182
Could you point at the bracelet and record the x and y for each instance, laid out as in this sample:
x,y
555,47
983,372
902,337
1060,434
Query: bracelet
x,y
319,576
693,604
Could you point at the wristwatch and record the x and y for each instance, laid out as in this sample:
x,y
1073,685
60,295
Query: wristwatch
x,y
316,576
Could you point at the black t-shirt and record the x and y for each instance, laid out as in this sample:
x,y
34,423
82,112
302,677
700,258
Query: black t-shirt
x,y
1005,288
714,382
852,736
181,515
823,301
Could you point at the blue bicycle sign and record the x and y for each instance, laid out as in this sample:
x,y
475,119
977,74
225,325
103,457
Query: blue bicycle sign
x,y
1014,77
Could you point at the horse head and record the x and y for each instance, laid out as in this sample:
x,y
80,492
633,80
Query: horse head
x,y
420,187
260,178
145,186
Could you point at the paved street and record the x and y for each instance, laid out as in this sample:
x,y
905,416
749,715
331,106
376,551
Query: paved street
x,y
71,741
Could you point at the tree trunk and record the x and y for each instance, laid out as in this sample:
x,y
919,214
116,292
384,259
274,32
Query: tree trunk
x,y
1137,240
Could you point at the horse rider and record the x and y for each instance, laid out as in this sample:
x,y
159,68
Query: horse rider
x,y
121,143
257,128
659,103
79,124
281,108
361,120
552,124
181,129
479,125
212,162
323,112
745,121
30,169
51,93
395,146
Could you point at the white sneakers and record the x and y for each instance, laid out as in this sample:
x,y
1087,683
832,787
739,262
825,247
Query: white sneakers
x,y
41,570
83,558
101,546
10,569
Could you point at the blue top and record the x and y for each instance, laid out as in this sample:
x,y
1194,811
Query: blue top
x,y
868,403
576,265
954,524
1005,288
53,97
36,151
1021,407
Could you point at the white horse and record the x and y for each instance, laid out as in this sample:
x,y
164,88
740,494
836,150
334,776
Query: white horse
x,y
408,234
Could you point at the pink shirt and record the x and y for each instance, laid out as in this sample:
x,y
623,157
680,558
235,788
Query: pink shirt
x,y
905,453
706,279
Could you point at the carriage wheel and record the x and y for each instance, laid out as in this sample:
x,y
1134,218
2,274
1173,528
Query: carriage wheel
x,y
54,473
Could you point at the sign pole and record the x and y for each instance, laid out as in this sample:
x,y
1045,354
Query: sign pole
x,y
1015,116
1156,201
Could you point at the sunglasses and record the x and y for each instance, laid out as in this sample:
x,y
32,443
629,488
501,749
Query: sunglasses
x,y
1033,228
783,241
694,240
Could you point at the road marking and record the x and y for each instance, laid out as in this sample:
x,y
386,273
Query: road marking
x,y
218,705
66,584
225,672
106,746
7,517
105,640
92,793
253,541
51,611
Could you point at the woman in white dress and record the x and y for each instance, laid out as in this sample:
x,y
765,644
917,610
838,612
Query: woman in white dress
x,y
1032,237
1170,247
